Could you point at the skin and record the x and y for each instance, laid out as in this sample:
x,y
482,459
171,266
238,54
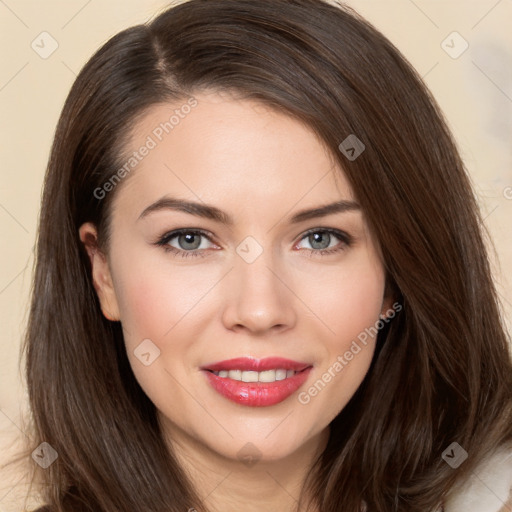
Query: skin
x,y
261,167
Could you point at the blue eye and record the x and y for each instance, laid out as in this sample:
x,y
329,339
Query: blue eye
x,y
188,239
190,244
321,239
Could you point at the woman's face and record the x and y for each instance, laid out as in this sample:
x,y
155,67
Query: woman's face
x,y
275,282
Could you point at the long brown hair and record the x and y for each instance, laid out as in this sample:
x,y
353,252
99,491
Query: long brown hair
x,y
442,369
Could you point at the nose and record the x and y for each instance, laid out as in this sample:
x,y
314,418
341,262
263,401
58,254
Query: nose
x,y
258,297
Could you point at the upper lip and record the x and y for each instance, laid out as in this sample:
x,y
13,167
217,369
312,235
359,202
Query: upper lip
x,y
258,365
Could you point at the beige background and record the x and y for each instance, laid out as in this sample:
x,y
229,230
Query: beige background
x,y
474,90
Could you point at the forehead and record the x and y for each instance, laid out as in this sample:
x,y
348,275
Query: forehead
x,y
222,149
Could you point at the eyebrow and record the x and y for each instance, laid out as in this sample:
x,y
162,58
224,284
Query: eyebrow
x,y
213,213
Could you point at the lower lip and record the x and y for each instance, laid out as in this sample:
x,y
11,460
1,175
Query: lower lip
x,y
257,394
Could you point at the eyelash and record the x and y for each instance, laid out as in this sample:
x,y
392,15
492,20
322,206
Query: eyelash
x,y
346,241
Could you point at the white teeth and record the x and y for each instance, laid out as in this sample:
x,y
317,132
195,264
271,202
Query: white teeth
x,y
267,376
235,374
249,376
252,376
280,374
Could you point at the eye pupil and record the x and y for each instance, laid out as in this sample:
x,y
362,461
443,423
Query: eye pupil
x,y
320,238
188,239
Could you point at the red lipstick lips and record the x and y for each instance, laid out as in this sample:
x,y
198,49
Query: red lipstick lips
x,y
257,365
257,383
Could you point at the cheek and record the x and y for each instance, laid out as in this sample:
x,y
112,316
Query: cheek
x,y
154,295
349,306
143,303
351,299
156,302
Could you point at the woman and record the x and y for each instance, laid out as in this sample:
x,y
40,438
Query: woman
x,y
261,279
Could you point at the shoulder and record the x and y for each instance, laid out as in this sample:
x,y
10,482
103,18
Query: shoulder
x,y
489,488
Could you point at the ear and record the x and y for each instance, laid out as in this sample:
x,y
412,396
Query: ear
x,y
102,279
387,304
389,299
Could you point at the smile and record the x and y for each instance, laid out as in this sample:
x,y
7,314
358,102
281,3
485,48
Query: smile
x,y
252,376
256,383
